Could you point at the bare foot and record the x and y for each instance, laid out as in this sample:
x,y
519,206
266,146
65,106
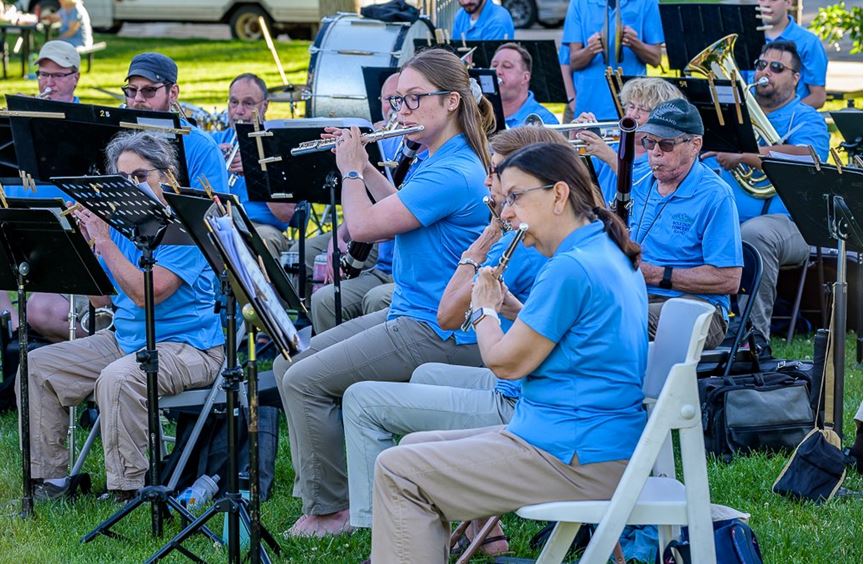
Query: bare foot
x,y
321,525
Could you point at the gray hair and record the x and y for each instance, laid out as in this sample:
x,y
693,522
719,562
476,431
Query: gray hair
x,y
153,148
254,79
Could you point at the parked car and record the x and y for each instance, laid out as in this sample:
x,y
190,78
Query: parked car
x,y
298,17
548,13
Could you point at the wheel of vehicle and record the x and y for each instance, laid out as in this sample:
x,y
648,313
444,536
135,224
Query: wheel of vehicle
x,y
523,12
113,29
551,24
244,23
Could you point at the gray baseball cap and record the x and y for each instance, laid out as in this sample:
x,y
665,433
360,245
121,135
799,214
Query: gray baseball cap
x,y
673,118
153,66
62,53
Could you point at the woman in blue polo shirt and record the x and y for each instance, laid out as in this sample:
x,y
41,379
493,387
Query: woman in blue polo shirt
x,y
434,217
580,342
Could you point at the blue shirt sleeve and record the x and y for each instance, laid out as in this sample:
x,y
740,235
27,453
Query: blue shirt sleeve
x,y
185,261
721,241
426,194
564,54
652,30
572,26
203,157
563,278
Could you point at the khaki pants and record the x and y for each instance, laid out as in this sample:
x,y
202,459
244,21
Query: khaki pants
x,y
365,348
378,298
461,475
65,374
716,331
317,245
439,396
353,293
275,240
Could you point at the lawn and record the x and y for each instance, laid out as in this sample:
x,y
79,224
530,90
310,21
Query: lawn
x,y
788,531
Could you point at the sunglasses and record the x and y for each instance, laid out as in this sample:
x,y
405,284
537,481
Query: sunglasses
x,y
776,67
147,92
666,145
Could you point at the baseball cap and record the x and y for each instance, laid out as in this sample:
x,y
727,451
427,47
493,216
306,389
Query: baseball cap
x,y
673,118
153,66
62,53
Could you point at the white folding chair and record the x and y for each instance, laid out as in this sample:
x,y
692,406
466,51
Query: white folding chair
x,y
640,498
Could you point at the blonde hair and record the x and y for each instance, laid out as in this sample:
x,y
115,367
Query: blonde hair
x,y
511,140
446,72
648,92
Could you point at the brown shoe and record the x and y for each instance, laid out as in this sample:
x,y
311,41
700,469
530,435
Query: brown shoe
x,y
118,496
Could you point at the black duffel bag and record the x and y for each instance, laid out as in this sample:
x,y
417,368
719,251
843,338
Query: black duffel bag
x,y
765,411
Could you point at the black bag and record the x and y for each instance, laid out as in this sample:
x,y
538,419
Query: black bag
x,y
815,470
393,11
769,411
734,543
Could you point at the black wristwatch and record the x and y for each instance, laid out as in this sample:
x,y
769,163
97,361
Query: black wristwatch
x,y
666,282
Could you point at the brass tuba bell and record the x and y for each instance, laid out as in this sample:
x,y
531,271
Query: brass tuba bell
x,y
719,59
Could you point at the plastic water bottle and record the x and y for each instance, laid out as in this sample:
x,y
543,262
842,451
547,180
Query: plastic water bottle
x,y
198,494
244,532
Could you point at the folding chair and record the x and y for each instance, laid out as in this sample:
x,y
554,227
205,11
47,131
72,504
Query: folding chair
x,y
642,499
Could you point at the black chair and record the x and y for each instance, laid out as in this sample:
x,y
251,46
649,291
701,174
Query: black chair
x,y
722,359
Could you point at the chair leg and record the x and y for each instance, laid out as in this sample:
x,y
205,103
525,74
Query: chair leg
x,y
558,543
85,450
478,540
796,307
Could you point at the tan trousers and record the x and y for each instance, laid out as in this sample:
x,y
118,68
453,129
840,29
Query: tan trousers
x,y
275,240
353,294
716,331
436,477
65,374
365,348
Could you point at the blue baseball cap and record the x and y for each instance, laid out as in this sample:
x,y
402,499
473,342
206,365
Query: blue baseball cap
x,y
673,118
153,66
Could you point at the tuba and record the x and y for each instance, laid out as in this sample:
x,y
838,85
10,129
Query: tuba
x,y
719,59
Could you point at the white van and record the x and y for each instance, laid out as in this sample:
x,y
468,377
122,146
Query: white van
x,y
297,17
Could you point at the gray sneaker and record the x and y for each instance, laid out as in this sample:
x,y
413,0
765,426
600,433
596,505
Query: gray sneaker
x,y
47,491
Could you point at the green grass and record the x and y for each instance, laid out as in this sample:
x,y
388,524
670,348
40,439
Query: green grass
x,y
788,531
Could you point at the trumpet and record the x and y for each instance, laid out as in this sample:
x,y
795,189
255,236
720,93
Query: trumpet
x,y
45,93
490,203
319,145
536,120
582,147
235,146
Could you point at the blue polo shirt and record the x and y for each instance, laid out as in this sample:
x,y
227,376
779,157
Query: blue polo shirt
x,y
587,17
186,316
84,36
585,398
445,195
814,59
494,22
258,212
608,178
695,225
203,158
519,277
809,129
528,107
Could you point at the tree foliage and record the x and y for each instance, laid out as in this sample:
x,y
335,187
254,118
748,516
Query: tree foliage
x,y
836,22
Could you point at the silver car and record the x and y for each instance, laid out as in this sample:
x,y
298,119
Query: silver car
x,y
548,13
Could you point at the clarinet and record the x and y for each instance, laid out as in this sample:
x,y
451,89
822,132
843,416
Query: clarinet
x,y
353,260
626,154
502,265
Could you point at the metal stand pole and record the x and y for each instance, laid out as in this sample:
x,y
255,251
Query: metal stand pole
x,y
24,386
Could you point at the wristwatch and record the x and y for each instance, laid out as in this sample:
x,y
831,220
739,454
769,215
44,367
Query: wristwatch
x,y
352,175
481,313
666,282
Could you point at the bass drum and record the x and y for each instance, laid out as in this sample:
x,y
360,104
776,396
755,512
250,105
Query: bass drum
x,y
346,44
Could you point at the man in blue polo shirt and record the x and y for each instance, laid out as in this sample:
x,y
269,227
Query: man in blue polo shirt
x,y
512,64
151,84
246,94
684,218
590,52
814,59
765,223
482,19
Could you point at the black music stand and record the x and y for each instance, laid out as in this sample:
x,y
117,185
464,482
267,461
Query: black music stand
x,y
690,27
826,204
42,251
143,219
488,81
272,174
8,160
38,124
547,84
849,124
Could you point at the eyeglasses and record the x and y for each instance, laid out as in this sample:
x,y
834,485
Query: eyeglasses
x,y
666,145
776,67
412,101
54,75
247,104
140,175
513,197
147,92
493,171
631,107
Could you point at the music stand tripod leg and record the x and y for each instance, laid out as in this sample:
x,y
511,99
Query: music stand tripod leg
x,y
23,269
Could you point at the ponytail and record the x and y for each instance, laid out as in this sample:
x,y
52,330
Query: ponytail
x,y
617,231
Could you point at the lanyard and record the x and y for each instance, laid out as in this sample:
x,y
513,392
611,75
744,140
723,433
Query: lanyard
x,y
641,239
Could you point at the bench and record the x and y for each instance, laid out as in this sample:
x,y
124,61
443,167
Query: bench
x,y
89,51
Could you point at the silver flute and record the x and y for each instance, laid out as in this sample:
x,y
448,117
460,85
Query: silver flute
x,y
318,145
490,203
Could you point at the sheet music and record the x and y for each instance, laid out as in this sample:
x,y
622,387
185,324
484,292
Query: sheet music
x,y
788,157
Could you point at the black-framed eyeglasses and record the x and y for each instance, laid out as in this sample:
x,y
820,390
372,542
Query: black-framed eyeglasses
x,y
54,75
412,101
147,92
776,67
514,195
493,171
139,175
666,145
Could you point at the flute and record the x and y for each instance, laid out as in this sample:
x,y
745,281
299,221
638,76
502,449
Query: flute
x,y
490,203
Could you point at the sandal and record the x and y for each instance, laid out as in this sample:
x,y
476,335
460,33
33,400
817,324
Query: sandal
x,y
464,542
